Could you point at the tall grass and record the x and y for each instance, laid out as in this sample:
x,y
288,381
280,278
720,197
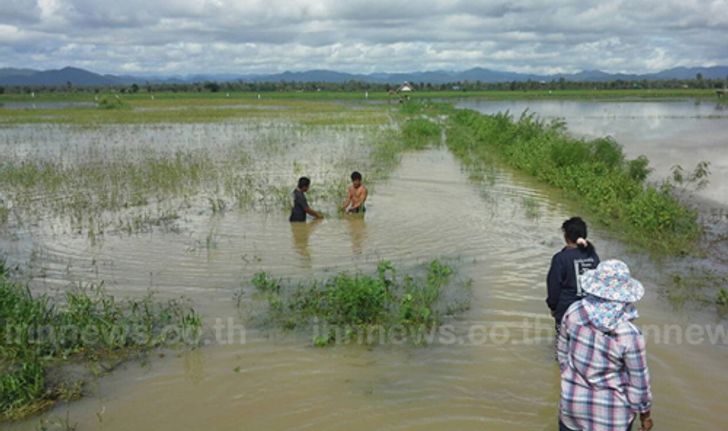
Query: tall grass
x,y
594,174
40,334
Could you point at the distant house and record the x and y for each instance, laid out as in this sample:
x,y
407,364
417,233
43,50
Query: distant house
x,y
405,88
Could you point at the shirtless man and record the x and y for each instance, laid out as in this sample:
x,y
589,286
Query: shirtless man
x,y
357,195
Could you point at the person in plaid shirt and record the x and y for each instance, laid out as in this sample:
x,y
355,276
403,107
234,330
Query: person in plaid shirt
x,y
605,382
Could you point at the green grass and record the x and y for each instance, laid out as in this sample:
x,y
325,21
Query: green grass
x,y
197,108
594,174
40,334
351,306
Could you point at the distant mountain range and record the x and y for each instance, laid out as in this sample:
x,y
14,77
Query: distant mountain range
x,y
81,77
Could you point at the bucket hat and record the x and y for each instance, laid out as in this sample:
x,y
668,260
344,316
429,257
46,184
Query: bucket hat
x,y
612,281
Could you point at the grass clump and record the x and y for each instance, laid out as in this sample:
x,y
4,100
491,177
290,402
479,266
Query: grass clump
x,y
595,173
366,308
108,102
39,336
419,133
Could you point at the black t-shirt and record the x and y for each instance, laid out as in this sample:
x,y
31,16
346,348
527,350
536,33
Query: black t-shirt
x,y
300,205
564,286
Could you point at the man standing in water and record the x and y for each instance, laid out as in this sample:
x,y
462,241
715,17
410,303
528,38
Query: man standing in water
x,y
300,204
357,195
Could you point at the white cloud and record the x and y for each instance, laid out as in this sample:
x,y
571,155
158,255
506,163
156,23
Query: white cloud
x,y
258,36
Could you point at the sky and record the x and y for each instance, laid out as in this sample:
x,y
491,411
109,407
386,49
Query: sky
x,y
182,37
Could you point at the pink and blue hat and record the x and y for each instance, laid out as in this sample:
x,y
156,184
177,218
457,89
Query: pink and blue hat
x,y
612,281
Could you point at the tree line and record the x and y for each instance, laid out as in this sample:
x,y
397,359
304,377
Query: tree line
x,y
352,86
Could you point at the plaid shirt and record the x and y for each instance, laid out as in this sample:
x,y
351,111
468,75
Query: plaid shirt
x,y
604,376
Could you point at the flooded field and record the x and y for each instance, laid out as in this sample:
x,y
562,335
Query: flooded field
x,y
495,370
681,132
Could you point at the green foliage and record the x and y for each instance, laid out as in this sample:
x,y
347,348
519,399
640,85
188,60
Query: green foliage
x,y
638,169
594,173
21,385
351,305
420,133
722,299
263,282
38,333
109,102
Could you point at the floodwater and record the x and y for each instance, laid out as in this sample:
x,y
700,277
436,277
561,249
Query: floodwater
x,y
498,373
46,105
682,132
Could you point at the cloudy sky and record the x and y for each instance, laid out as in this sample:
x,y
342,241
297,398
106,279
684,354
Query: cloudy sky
x,y
264,36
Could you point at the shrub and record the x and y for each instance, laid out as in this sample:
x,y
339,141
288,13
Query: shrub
x,y
351,305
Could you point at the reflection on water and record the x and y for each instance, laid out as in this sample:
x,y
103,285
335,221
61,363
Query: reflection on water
x,y
667,132
358,232
276,382
301,232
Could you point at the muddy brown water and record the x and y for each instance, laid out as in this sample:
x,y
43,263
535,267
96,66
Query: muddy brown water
x,y
496,372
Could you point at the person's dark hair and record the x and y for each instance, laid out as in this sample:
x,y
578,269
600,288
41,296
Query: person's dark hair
x,y
355,176
575,228
303,182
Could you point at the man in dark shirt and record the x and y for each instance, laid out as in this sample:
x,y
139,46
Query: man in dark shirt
x,y
300,204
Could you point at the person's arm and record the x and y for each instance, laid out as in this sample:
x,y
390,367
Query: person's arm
x,y
349,196
553,284
562,343
639,393
312,212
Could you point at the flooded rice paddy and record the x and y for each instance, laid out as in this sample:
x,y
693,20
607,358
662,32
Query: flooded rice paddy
x,y
494,370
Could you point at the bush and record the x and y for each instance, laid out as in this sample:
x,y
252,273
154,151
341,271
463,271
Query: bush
x,y
350,305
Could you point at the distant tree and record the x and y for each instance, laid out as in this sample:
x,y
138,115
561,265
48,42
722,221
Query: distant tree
x,y
134,88
213,87
2,90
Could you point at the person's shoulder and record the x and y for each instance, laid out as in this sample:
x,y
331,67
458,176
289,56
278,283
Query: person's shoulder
x,y
559,254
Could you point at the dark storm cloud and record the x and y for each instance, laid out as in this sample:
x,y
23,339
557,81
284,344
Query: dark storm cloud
x,y
192,36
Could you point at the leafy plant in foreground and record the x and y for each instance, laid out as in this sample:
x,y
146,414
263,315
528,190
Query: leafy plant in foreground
x,y
353,305
39,334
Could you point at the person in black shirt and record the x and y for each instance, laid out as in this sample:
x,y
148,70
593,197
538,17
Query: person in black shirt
x,y
563,282
300,204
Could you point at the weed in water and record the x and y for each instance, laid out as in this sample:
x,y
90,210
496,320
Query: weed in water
x,y
355,305
38,334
